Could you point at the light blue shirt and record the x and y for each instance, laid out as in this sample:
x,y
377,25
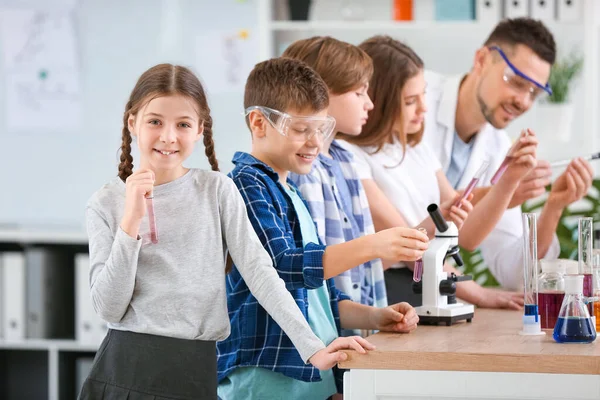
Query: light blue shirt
x,y
461,152
260,383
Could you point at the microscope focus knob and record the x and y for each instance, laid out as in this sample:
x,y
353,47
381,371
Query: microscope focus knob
x,y
447,287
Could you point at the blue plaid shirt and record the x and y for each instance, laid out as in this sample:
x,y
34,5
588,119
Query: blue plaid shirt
x,y
338,204
256,339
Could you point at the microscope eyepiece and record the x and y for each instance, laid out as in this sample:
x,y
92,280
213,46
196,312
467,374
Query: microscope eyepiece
x,y
436,216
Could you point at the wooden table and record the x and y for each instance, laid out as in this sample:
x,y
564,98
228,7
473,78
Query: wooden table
x,y
485,359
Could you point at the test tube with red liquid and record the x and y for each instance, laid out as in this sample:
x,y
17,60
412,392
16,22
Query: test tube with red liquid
x,y
418,270
151,218
476,178
509,155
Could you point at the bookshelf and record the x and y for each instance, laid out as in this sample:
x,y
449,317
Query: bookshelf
x,y
45,368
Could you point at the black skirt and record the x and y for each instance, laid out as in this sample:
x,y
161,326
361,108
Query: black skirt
x,y
137,366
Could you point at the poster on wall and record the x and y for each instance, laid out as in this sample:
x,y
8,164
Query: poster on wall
x,y
224,58
40,70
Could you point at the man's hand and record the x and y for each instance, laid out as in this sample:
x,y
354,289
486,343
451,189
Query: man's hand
x,y
572,184
533,184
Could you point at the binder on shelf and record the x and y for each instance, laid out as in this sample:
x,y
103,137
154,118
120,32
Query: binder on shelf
x,y
49,278
569,10
13,295
516,8
423,10
543,9
89,327
488,11
454,10
403,10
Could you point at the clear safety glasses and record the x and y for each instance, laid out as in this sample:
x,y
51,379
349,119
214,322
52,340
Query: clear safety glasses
x,y
520,81
296,128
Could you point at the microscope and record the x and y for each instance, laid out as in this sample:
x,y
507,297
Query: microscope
x,y
439,289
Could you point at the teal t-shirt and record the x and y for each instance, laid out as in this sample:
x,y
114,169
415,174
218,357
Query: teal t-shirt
x,y
260,383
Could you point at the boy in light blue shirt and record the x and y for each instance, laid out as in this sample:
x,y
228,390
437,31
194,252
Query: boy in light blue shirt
x,y
286,106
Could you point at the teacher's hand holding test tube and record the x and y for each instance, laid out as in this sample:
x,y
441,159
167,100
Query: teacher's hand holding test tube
x,y
516,151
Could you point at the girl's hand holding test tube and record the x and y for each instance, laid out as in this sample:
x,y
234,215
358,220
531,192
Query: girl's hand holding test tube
x,y
400,244
476,178
457,213
520,159
137,186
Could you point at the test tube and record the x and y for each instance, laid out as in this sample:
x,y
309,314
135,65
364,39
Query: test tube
x,y
531,318
507,159
484,166
418,270
151,218
585,247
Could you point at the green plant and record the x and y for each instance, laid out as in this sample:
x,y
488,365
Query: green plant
x,y
561,75
566,232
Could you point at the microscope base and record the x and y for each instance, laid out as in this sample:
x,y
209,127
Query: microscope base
x,y
429,320
447,316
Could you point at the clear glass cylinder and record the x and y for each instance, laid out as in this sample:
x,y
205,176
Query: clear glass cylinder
x,y
530,267
585,247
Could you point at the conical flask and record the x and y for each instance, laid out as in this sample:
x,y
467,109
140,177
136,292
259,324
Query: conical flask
x,y
574,324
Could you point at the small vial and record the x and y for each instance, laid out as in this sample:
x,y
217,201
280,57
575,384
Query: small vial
x,y
151,219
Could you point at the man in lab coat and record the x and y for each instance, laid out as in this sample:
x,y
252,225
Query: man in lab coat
x,y
465,124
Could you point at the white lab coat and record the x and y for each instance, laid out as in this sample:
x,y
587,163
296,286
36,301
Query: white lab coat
x,y
502,250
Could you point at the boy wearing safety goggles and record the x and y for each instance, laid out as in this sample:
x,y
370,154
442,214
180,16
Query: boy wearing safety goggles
x,y
286,106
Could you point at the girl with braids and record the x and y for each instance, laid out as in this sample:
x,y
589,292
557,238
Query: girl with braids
x,y
165,303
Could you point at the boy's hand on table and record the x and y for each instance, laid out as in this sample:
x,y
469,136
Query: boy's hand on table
x,y
399,317
333,354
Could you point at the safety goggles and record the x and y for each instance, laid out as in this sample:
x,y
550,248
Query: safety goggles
x,y
520,81
296,128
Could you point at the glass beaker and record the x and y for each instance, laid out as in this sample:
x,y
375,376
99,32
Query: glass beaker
x,y
574,323
551,286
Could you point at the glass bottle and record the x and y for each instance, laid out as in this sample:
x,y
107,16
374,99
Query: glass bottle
x,y
551,291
